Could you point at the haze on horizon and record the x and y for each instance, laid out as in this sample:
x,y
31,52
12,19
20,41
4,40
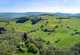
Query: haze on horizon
x,y
63,6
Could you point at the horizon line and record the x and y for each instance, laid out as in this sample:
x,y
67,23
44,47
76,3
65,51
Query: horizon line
x,y
41,12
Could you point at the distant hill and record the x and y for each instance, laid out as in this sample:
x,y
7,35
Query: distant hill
x,y
13,15
67,14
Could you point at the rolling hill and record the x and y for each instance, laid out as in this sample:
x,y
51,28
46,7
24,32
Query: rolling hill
x,y
13,15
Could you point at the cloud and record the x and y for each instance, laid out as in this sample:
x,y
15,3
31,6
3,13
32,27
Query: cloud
x,y
67,6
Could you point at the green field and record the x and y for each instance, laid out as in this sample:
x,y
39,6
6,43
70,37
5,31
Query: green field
x,y
59,32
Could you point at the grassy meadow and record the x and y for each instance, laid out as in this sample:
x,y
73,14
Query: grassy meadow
x,y
40,35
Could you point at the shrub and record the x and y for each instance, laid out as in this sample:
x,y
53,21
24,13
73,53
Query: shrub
x,y
47,50
32,48
76,49
2,29
8,43
48,30
35,20
21,19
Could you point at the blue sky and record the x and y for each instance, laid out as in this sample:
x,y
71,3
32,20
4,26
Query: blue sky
x,y
66,6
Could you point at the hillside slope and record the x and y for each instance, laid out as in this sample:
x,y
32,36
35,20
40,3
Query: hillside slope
x,y
33,35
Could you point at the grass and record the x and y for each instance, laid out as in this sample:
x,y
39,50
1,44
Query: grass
x,y
62,33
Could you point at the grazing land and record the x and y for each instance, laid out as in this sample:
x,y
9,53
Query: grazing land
x,y
44,34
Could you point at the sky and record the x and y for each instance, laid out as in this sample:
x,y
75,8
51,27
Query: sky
x,y
64,6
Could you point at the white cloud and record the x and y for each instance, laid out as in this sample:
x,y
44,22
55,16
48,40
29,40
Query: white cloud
x,y
70,10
